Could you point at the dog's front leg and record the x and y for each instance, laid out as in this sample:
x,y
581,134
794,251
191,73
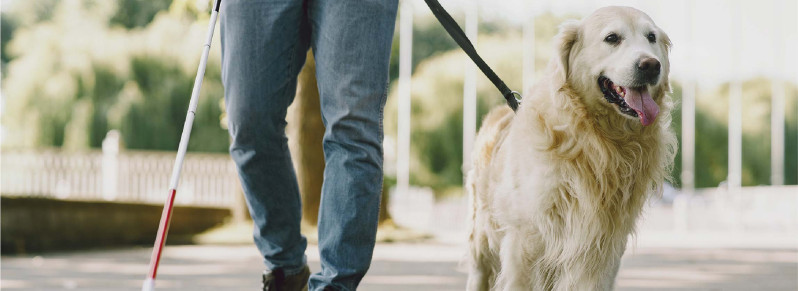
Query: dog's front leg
x,y
512,276
481,257
479,272
477,280
599,277
608,279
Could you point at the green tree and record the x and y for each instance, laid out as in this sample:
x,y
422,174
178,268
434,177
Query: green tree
x,y
137,13
76,70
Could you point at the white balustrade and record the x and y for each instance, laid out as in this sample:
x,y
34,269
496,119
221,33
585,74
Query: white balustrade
x,y
123,176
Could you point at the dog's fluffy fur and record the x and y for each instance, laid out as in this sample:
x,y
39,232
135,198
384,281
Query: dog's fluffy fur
x,y
557,187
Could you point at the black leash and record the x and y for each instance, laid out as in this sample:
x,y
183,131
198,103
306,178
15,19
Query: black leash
x,y
513,98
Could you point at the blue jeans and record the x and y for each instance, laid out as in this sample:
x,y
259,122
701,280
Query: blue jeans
x,y
264,43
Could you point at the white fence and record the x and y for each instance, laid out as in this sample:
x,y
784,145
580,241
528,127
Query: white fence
x,y
762,208
123,176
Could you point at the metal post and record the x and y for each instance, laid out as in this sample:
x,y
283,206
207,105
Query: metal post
x,y
777,103
405,67
734,181
777,132
735,133
681,206
529,49
110,165
469,88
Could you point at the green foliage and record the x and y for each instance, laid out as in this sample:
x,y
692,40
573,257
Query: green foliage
x,y
431,39
7,28
711,122
78,72
30,12
138,13
156,111
791,138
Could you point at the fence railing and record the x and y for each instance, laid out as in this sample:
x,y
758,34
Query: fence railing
x,y
123,176
753,208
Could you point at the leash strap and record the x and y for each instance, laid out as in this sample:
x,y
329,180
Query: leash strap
x,y
513,98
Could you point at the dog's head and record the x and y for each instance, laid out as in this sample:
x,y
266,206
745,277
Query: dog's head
x,y
617,58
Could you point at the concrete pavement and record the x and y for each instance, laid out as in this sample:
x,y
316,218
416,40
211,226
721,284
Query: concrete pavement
x,y
403,266
658,258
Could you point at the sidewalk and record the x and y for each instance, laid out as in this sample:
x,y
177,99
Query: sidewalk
x,y
220,267
416,267
706,257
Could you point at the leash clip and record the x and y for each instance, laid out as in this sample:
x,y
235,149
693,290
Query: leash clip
x,y
513,100
517,96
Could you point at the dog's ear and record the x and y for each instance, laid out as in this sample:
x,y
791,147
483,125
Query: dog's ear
x,y
665,41
665,44
565,40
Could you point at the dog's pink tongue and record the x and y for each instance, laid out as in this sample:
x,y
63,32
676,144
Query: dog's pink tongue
x,y
641,102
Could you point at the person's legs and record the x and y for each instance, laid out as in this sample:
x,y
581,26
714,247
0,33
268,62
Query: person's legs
x,y
263,48
352,44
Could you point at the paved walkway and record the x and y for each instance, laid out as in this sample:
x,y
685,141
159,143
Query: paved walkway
x,y
416,267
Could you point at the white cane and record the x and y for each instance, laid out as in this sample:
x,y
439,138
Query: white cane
x,y
160,239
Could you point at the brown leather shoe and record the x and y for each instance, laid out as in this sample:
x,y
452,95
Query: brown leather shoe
x,y
276,280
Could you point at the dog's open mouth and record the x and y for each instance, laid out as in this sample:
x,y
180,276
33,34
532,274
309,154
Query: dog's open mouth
x,y
635,102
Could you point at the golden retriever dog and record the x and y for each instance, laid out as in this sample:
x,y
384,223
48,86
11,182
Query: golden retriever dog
x,y
556,188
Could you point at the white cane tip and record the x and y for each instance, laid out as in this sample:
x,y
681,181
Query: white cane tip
x,y
149,285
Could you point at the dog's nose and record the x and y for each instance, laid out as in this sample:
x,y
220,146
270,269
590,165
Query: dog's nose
x,y
648,68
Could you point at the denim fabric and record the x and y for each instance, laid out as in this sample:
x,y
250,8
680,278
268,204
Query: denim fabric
x,y
263,48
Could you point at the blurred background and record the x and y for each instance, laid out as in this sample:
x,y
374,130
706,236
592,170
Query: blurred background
x,y
94,96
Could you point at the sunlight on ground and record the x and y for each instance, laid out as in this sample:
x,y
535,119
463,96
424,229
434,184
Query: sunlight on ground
x,y
411,280
396,267
13,284
708,269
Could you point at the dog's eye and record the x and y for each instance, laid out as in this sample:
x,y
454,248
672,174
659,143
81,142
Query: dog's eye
x,y
612,39
652,38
